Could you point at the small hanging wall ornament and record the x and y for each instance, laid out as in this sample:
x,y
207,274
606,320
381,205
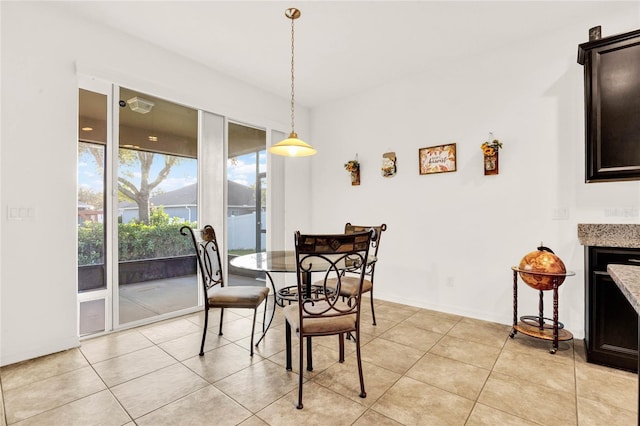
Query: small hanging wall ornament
x,y
389,164
490,150
353,167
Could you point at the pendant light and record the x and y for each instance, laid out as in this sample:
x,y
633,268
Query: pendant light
x,y
292,146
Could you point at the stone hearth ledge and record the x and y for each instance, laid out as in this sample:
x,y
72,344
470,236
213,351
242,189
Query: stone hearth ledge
x,y
609,235
627,277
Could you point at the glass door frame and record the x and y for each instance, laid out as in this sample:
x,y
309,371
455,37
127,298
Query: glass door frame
x,y
261,228
106,293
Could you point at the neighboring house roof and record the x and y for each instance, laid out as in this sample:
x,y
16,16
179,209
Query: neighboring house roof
x,y
239,195
187,195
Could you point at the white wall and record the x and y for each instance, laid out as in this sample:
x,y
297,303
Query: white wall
x,y
453,237
42,52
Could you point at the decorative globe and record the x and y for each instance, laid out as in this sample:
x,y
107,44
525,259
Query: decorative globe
x,y
540,262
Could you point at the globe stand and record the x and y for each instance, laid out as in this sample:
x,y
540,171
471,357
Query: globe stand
x,y
536,321
535,325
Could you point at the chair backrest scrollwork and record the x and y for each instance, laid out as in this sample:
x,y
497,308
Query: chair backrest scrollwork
x,y
329,255
375,240
207,254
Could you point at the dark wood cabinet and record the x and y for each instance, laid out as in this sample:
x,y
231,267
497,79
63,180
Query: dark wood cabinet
x,y
612,107
611,335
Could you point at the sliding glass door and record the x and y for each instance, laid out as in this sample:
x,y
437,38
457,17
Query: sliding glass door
x,y
137,185
141,161
157,194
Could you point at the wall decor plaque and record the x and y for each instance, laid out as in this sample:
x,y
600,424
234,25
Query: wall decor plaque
x,y
389,164
437,159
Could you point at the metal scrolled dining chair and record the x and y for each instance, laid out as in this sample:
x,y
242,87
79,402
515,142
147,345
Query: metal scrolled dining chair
x,y
350,281
217,295
325,313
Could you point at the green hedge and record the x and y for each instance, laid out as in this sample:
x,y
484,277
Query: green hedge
x,y
136,241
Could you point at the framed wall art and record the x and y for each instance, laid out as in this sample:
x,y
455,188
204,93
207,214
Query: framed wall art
x,y
437,159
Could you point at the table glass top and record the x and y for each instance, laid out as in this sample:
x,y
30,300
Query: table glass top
x,y
275,261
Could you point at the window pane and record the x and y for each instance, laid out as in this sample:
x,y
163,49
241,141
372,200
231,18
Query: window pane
x,y
246,196
157,195
91,190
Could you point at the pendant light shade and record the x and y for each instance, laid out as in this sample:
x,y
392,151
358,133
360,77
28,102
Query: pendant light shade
x,y
292,146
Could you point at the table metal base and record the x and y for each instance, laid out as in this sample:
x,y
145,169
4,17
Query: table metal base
x,y
290,294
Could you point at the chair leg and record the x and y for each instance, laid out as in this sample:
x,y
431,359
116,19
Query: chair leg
x,y
309,355
300,371
287,336
341,346
204,331
348,334
253,329
363,394
221,321
264,315
373,312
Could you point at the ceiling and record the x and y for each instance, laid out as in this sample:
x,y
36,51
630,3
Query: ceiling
x,y
341,47
167,128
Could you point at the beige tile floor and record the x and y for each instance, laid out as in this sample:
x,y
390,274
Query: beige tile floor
x,y
421,367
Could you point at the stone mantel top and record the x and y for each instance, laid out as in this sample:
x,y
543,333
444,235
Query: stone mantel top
x,y
627,277
609,235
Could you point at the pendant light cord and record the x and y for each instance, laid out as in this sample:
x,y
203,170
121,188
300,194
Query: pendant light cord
x,y
292,77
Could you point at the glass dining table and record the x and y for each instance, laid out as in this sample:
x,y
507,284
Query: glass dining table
x,y
283,261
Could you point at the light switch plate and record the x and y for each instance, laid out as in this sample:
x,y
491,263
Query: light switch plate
x,y
19,213
560,213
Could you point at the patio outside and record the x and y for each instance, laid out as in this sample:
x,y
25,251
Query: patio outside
x,y
157,297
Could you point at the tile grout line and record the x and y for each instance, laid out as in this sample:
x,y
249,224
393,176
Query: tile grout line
x,y
75,400
108,388
366,407
502,349
370,408
575,383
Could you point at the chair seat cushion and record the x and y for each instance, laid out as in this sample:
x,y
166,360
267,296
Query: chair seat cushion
x,y
320,325
237,296
349,285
